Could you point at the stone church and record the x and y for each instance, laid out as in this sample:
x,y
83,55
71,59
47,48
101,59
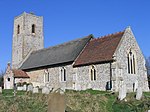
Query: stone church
x,y
103,63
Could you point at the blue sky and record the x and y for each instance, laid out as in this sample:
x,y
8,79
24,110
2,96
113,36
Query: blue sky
x,y
66,20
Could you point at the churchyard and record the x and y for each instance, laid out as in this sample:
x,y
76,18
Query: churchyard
x,y
75,101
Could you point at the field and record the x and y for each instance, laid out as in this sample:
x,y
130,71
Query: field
x,y
76,101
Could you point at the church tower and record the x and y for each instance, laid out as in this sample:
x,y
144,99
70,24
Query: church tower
x,y
27,37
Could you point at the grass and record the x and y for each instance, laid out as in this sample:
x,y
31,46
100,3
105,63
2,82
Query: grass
x,y
89,101
23,102
94,92
77,101
10,92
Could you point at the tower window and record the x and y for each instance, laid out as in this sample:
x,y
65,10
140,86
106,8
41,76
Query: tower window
x,y
93,73
18,29
131,63
63,74
8,79
33,28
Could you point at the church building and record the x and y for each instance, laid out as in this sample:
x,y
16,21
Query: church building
x,y
103,63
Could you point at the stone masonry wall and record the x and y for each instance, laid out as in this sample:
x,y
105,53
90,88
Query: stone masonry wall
x,y
26,41
37,77
128,42
77,78
102,77
21,80
8,84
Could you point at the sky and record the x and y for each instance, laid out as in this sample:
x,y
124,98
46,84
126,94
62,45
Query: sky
x,y
66,20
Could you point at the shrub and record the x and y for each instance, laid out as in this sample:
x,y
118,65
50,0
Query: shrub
x,y
18,84
24,83
29,84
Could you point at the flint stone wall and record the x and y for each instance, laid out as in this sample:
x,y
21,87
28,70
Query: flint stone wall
x,y
77,78
128,41
25,41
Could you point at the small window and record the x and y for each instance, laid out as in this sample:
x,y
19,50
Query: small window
x,y
8,79
33,28
93,73
18,29
63,74
47,76
131,62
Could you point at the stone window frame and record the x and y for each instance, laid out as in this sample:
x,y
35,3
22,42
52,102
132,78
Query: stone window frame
x,y
93,73
46,76
63,75
131,62
18,29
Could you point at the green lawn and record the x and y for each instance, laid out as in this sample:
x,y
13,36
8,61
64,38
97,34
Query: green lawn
x,y
77,101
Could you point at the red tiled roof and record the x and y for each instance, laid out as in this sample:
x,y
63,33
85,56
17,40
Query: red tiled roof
x,y
20,74
99,50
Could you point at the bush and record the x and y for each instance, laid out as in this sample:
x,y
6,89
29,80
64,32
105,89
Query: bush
x,y
29,84
18,84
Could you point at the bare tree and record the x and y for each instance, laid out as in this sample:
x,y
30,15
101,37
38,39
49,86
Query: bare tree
x,y
148,65
1,78
148,69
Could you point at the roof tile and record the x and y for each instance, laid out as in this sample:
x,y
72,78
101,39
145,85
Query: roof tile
x,y
66,52
20,74
99,50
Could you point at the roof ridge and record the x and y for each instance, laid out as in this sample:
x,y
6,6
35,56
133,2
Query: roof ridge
x,y
61,44
109,35
113,34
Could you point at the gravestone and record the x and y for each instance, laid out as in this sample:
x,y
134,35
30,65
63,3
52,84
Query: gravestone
x,y
45,90
122,92
30,88
59,90
0,89
84,87
62,89
19,88
57,102
24,87
139,93
89,86
35,90
135,86
78,87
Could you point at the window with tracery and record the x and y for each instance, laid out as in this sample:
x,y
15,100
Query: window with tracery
x,y
131,62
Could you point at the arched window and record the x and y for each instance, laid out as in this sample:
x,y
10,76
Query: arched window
x,y
33,28
93,73
18,29
131,62
63,74
46,76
